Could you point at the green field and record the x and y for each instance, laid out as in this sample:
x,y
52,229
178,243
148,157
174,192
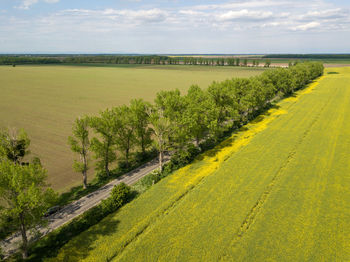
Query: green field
x,y
45,100
276,191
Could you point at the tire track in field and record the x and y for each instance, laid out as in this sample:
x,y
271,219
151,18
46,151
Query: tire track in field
x,y
212,163
255,210
163,212
207,169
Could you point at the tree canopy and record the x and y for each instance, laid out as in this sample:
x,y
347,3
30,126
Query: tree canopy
x,y
25,196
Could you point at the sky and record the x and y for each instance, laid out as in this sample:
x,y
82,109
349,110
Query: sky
x,y
175,26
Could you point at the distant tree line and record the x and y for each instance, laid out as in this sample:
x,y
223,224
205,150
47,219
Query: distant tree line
x,y
13,60
117,59
310,56
231,61
181,123
125,60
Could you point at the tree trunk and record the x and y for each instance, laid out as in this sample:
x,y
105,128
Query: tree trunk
x,y
160,161
24,237
107,160
143,145
85,173
106,167
84,179
127,158
197,141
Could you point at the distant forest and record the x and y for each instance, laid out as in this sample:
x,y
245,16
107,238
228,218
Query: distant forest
x,y
157,59
309,56
81,59
124,59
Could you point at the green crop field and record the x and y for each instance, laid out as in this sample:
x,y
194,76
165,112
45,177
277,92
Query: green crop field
x,y
45,100
277,190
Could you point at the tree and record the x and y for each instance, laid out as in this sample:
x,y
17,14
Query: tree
x,y
125,138
267,63
14,145
80,144
282,79
222,61
198,114
171,105
231,61
106,126
237,62
221,95
161,128
25,196
139,109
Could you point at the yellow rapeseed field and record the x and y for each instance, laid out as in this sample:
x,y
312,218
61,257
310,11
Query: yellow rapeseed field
x,y
277,190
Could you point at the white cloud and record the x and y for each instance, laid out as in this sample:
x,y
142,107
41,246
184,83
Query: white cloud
x,y
308,26
244,14
26,4
191,12
326,14
125,16
243,4
151,15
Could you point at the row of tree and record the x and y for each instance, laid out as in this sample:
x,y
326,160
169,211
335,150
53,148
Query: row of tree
x,y
175,121
13,60
309,56
120,129
124,59
117,59
223,61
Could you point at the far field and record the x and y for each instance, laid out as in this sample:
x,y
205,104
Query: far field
x,y
45,100
277,190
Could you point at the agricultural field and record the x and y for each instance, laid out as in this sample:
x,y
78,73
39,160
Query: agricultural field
x,y
45,100
277,190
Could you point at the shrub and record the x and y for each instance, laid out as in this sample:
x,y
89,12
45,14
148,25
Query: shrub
x,y
207,144
147,181
119,196
151,179
123,165
184,157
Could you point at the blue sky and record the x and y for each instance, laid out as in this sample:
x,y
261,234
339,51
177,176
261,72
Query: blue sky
x,y
174,26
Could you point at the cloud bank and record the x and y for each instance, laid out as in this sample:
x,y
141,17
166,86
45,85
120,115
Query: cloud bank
x,y
267,20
